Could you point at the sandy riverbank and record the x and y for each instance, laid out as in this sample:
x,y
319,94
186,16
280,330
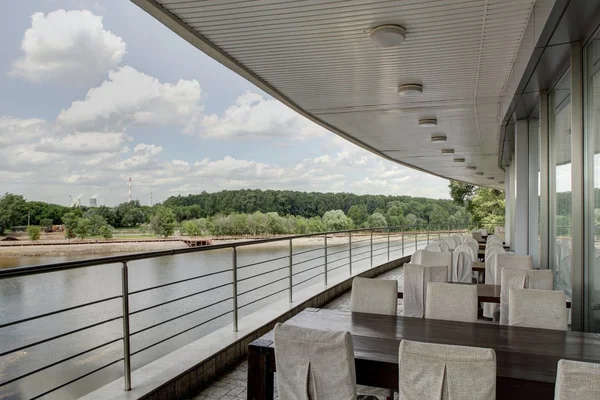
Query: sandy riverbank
x,y
135,247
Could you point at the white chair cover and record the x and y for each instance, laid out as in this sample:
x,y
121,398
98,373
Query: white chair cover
x,y
416,278
444,246
490,278
450,242
478,235
545,309
576,380
431,258
433,247
314,364
416,257
457,240
451,302
465,247
474,246
374,296
494,242
438,371
541,279
510,278
462,264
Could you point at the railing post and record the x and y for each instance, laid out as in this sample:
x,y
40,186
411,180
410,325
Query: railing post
x,y
325,259
371,247
350,251
439,233
388,240
290,272
126,347
416,234
235,294
402,242
427,234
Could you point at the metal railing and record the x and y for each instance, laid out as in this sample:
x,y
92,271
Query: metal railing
x,y
252,282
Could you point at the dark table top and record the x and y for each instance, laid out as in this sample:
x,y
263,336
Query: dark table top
x,y
521,353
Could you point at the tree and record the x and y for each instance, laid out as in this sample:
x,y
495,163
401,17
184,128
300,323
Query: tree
x,y
97,222
358,213
460,192
12,211
336,220
487,207
84,228
34,232
191,228
46,224
377,220
106,231
439,217
70,220
130,214
163,222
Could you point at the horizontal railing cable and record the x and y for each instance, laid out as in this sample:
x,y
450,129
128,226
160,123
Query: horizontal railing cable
x,y
308,269
308,260
262,273
180,316
91,303
181,333
59,362
76,379
306,280
60,336
307,251
262,286
264,297
178,298
179,281
261,262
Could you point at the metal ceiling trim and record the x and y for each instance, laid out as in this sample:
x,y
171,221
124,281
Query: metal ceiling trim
x,y
182,29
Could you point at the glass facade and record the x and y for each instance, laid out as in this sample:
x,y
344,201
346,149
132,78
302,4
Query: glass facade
x,y
560,234
534,189
592,145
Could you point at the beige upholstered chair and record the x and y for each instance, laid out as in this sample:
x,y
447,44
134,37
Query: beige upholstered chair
x,y
416,257
450,243
462,264
577,380
444,246
473,245
438,371
545,309
542,279
478,235
416,278
489,309
433,247
511,278
458,240
314,364
451,302
431,258
374,296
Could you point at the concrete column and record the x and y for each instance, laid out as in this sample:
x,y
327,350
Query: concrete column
x,y
544,182
508,206
521,197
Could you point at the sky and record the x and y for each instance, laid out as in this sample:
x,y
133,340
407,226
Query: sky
x,y
95,92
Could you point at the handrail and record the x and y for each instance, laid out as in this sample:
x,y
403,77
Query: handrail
x,y
67,265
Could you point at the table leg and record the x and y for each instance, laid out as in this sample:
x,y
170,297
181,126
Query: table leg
x,y
260,374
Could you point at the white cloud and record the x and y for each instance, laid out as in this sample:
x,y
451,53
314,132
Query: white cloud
x,y
130,97
253,115
16,130
85,143
144,157
67,46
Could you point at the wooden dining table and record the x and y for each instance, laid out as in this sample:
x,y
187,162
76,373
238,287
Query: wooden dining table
x,y
526,358
486,293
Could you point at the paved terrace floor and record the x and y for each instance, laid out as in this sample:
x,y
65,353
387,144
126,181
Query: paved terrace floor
x,y
233,384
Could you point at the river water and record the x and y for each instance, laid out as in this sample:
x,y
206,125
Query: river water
x,y
38,294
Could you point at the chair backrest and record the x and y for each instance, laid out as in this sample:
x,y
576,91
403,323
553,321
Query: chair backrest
x,y
510,261
433,247
541,279
374,296
491,250
416,278
451,302
444,246
304,359
462,264
450,242
431,258
478,235
474,246
510,278
494,242
416,257
457,240
533,308
576,380
440,371
468,249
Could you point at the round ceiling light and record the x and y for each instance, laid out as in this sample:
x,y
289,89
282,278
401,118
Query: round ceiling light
x,y
479,173
459,159
427,122
410,89
447,151
500,181
387,35
438,138
472,167
491,178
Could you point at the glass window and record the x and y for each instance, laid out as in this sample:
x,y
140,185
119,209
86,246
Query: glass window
x,y
560,184
534,189
592,137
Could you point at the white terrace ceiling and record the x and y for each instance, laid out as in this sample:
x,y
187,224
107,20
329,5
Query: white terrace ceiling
x,y
317,57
